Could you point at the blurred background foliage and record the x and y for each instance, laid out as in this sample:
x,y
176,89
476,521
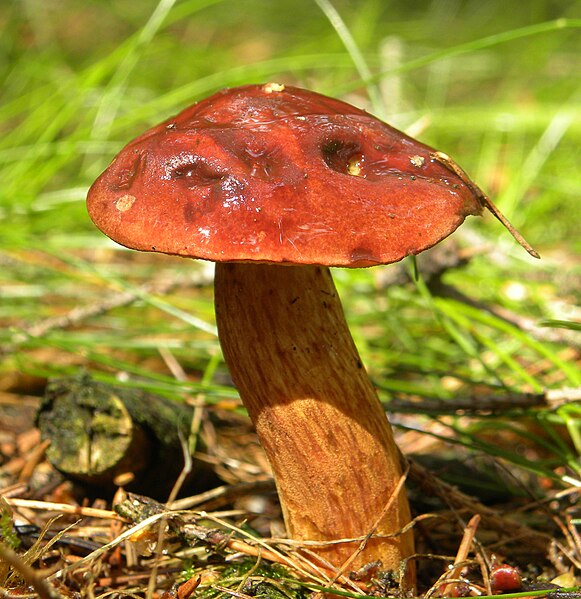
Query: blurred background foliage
x,y
492,83
79,79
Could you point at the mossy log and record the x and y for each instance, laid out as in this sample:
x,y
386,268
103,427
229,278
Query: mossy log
x,y
101,435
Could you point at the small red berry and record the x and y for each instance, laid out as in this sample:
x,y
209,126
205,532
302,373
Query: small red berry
x,y
505,579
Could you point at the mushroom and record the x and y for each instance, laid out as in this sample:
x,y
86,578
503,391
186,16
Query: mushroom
x,y
276,184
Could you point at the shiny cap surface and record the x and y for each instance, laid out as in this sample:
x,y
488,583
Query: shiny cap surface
x,y
272,173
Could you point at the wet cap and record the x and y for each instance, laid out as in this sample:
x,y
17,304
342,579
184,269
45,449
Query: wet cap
x,y
272,173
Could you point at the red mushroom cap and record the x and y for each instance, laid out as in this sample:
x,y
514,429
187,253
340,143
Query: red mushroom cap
x,y
279,174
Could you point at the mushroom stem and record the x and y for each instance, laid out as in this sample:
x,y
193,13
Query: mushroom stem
x,y
298,372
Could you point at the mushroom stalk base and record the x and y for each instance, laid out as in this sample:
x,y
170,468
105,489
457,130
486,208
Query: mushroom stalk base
x,y
298,372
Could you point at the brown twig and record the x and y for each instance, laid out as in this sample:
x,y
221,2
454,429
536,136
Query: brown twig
x,y
35,457
64,508
484,200
225,493
487,404
491,519
462,555
117,300
35,578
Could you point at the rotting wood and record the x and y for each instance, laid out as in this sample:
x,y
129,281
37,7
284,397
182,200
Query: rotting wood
x,y
102,434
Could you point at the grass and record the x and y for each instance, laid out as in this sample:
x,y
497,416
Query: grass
x,y
492,86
